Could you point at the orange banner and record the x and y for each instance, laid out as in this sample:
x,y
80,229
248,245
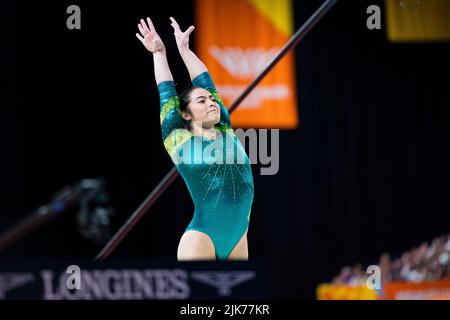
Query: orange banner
x,y
439,290
345,292
432,290
236,39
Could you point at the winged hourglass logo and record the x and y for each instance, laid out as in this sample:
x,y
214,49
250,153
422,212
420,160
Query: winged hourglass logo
x,y
223,281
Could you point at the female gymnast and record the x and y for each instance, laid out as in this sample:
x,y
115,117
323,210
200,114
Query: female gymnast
x,y
191,123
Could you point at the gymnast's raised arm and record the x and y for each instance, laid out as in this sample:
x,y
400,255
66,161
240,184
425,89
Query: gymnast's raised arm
x,y
170,116
198,72
194,65
153,43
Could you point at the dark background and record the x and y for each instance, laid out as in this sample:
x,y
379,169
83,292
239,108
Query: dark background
x,y
366,172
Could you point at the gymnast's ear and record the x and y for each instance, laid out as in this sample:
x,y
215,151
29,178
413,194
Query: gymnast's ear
x,y
185,115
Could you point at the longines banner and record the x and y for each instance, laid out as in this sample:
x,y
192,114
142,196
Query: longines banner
x,y
131,281
237,39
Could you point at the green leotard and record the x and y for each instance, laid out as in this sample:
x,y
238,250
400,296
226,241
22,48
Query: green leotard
x,y
217,172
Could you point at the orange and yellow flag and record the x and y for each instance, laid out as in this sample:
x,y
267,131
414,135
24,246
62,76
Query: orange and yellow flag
x,y
236,39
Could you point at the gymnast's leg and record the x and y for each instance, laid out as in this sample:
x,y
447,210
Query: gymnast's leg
x,y
240,251
196,245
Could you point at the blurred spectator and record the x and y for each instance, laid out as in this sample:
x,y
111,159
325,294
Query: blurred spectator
x,y
428,262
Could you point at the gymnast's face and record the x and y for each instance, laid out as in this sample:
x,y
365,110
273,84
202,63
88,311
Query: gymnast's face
x,y
203,108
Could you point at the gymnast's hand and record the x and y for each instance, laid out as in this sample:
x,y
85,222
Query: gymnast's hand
x,y
149,38
182,38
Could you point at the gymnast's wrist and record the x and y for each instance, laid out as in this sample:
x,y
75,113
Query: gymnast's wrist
x,y
184,50
160,52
